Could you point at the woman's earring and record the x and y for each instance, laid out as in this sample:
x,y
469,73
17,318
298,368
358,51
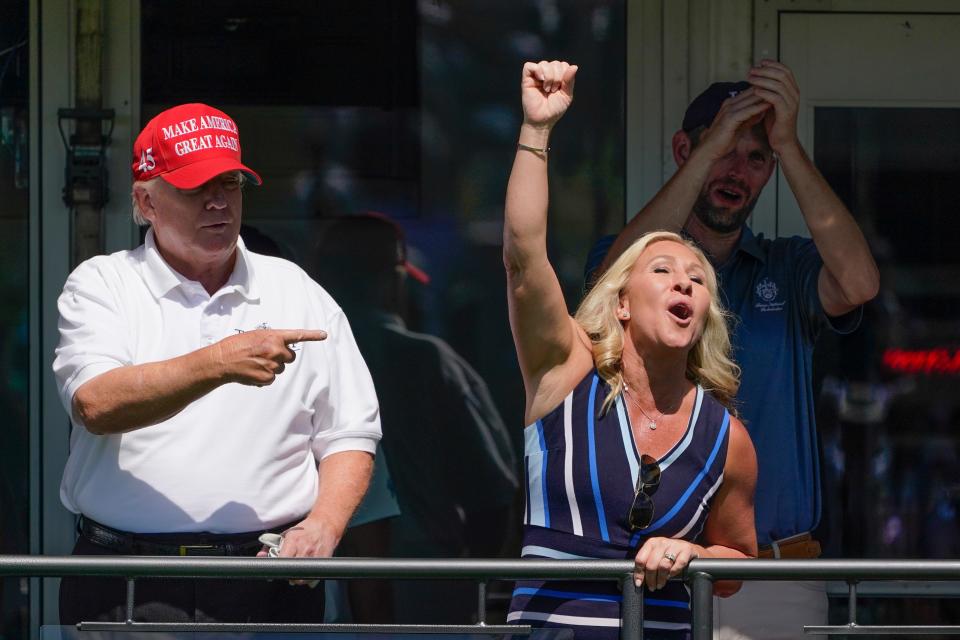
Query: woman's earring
x,y
624,315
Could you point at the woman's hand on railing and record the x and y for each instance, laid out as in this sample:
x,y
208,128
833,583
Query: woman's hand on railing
x,y
660,559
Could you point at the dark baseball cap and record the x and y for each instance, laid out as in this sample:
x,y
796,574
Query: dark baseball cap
x,y
705,106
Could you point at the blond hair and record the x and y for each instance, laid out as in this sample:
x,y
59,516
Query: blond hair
x,y
708,364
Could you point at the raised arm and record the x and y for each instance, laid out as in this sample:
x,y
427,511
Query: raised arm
x,y
672,204
849,276
543,331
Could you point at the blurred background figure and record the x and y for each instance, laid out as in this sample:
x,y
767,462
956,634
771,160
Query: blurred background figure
x,y
447,450
259,242
368,529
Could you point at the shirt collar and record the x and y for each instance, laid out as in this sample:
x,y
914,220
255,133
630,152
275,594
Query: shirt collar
x,y
161,278
747,243
243,278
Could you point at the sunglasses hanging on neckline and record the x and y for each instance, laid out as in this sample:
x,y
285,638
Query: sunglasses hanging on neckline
x,y
641,510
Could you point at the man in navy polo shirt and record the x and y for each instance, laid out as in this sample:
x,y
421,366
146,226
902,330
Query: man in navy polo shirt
x,y
783,292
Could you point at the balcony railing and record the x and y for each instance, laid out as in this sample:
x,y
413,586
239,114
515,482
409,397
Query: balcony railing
x,y
701,574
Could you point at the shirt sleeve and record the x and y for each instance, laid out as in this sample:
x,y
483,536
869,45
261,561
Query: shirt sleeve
x,y
807,264
347,415
92,330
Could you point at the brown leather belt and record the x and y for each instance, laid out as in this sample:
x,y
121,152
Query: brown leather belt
x,y
798,547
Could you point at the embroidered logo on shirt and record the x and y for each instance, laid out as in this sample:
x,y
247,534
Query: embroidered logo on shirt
x,y
262,325
294,346
767,291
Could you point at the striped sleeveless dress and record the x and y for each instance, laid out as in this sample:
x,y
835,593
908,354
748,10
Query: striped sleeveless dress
x,y
581,472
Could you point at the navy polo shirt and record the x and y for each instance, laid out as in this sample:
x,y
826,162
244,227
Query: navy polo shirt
x,y
771,288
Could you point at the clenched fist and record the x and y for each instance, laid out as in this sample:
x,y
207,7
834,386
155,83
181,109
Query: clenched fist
x,y
546,91
258,357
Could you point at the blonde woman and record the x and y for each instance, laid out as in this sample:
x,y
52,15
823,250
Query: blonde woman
x,y
631,449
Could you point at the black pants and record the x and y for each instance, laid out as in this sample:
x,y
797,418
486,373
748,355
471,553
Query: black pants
x,y
97,599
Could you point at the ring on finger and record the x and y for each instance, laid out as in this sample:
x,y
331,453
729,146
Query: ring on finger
x,y
671,557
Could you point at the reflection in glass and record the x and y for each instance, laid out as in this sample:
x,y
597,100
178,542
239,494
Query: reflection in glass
x,y
889,412
410,111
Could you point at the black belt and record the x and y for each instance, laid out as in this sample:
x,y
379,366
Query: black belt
x,y
174,544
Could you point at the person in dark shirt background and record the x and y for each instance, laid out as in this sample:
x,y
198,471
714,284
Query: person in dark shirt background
x,y
447,450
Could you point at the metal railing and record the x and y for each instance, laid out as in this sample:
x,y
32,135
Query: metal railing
x,y
701,574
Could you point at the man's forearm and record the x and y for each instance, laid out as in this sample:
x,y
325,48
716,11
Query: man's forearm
x,y
136,396
343,481
132,397
669,208
836,234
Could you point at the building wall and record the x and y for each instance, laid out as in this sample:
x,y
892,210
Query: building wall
x,y
675,49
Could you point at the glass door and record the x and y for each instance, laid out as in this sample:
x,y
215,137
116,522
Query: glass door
x,y
881,115
889,412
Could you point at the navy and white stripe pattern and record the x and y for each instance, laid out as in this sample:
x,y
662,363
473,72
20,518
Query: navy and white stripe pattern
x,y
581,470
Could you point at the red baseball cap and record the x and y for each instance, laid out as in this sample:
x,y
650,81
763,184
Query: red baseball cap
x,y
188,145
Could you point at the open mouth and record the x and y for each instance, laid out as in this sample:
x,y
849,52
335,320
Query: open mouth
x,y
681,310
730,194
729,197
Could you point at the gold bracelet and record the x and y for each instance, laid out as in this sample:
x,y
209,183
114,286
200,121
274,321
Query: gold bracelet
x,y
524,147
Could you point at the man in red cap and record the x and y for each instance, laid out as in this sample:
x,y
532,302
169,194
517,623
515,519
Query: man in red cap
x,y
216,394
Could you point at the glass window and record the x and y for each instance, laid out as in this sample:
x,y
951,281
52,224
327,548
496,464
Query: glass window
x,y
14,292
411,109
889,412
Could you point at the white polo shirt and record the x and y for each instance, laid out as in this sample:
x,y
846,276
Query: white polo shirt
x,y
239,459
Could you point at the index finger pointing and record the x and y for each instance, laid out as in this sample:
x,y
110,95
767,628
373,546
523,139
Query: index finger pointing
x,y
292,336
